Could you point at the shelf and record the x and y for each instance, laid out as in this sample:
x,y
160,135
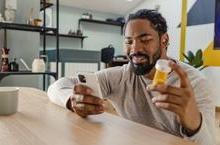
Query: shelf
x,y
101,22
68,36
46,6
4,74
25,27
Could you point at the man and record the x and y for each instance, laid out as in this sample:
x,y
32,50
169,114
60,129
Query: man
x,y
181,107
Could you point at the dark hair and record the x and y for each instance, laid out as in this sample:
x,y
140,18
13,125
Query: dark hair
x,y
157,20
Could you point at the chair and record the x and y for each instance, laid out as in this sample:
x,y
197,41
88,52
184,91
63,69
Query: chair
x,y
107,54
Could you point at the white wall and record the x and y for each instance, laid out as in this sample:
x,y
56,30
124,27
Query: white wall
x,y
99,35
197,37
173,17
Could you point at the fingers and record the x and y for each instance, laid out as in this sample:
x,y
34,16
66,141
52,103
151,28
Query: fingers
x,y
82,89
165,89
184,82
85,99
171,94
87,109
170,107
86,105
172,99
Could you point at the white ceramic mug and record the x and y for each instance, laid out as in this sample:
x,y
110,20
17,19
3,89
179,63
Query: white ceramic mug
x,y
38,65
8,100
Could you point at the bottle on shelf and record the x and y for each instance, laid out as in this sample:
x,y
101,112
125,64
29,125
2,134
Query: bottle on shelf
x,y
4,60
45,59
38,65
79,32
1,18
30,17
13,66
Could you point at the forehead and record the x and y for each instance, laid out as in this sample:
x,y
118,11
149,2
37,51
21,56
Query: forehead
x,y
139,26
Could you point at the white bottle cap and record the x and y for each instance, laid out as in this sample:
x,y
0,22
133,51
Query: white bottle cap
x,y
163,65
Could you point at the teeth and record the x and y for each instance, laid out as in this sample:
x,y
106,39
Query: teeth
x,y
139,59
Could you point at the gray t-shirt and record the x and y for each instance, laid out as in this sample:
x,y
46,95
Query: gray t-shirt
x,y
129,95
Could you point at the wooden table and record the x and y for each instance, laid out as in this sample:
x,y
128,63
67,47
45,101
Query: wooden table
x,y
40,122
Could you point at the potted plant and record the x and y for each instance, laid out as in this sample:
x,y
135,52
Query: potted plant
x,y
195,60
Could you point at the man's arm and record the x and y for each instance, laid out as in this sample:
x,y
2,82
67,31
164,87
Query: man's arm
x,y
61,91
191,101
67,93
206,133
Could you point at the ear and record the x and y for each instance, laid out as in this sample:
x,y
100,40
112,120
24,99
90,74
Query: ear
x,y
164,41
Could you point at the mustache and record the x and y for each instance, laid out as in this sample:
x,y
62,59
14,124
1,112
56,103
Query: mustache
x,y
138,54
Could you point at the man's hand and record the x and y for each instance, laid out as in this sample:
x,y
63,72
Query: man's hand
x,y
180,100
83,103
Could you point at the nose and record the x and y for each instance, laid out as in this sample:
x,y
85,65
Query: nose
x,y
136,46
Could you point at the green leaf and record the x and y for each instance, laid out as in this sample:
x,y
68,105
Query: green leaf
x,y
195,60
203,67
198,60
190,55
198,56
198,64
186,57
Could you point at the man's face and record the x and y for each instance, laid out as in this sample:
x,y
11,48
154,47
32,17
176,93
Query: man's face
x,y
142,45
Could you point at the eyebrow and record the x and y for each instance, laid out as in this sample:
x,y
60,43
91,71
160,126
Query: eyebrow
x,y
139,36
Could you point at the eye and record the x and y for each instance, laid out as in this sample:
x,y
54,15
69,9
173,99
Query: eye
x,y
128,41
145,39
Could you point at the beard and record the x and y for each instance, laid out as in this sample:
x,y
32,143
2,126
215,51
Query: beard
x,y
146,66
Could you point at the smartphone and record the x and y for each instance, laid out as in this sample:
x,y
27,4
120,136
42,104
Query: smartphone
x,y
90,80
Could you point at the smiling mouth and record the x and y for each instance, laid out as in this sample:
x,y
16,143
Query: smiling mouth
x,y
137,59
